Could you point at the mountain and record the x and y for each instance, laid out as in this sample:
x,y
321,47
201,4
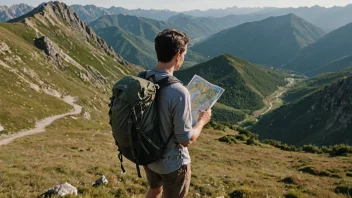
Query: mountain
x,y
323,117
330,53
201,27
223,12
139,26
245,84
90,13
326,18
133,38
7,13
48,54
273,41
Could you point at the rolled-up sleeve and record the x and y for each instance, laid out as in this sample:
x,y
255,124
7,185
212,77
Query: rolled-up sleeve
x,y
182,116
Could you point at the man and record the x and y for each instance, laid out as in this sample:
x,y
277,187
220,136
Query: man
x,y
171,175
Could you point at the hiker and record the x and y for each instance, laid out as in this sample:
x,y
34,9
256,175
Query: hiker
x,y
151,120
171,175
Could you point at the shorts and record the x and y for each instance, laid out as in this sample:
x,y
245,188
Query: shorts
x,y
175,184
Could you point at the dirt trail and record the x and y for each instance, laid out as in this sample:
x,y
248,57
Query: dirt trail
x,y
40,125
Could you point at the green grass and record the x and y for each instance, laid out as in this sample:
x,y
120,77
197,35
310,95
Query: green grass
x,y
67,153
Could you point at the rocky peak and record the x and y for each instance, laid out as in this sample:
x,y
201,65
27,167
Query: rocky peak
x,y
58,11
7,13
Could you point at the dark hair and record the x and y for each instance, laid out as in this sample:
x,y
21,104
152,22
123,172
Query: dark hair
x,y
168,43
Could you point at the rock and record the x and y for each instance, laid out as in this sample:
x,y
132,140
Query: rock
x,y
83,77
53,52
101,181
60,190
96,75
86,115
4,48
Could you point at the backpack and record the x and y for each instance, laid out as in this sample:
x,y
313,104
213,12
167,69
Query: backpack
x,y
134,118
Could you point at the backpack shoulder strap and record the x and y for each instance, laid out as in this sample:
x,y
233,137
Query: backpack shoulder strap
x,y
167,81
143,74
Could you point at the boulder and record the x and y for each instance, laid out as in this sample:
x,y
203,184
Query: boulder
x,y
60,190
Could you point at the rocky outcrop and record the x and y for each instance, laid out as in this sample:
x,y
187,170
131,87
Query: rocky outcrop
x,y
53,52
56,11
4,48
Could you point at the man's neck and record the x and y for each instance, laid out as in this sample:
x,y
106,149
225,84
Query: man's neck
x,y
169,67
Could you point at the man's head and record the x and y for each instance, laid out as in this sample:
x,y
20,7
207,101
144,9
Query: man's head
x,y
171,46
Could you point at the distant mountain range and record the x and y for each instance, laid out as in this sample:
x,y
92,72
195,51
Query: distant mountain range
x,y
325,18
318,111
133,38
331,53
245,85
91,12
273,41
7,13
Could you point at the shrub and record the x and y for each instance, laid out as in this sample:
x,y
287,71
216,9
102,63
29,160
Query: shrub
x,y
215,125
241,137
340,150
229,139
343,190
312,149
242,193
252,141
280,145
247,133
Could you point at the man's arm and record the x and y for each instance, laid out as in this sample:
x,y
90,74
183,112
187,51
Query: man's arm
x,y
203,119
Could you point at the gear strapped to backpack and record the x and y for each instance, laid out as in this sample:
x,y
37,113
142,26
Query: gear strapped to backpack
x,y
134,118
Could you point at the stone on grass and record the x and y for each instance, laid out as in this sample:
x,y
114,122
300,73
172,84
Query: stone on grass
x,y
60,190
101,181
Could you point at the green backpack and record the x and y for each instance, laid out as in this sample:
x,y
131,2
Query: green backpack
x,y
134,118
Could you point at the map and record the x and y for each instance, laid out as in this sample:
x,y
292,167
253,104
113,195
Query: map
x,y
203,95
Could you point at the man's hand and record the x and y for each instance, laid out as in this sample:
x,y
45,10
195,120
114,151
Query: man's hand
x,y
203,119
204,116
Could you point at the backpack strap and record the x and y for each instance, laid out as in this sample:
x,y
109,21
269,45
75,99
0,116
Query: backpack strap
x,y
143,74
167,81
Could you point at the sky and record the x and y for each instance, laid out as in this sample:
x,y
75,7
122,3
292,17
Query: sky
x,y
184,5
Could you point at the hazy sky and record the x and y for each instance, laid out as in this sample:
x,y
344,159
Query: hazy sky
x,y
183,5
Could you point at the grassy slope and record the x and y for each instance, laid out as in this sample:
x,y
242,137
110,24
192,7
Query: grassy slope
x,y
273,41
68,153
245,84
22,106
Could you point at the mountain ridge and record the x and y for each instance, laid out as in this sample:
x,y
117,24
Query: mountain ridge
x,y
330,49
272,41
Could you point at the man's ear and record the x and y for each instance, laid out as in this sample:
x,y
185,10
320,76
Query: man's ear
x,y
177,56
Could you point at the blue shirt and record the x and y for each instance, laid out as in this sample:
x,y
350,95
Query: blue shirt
x,y
174,104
